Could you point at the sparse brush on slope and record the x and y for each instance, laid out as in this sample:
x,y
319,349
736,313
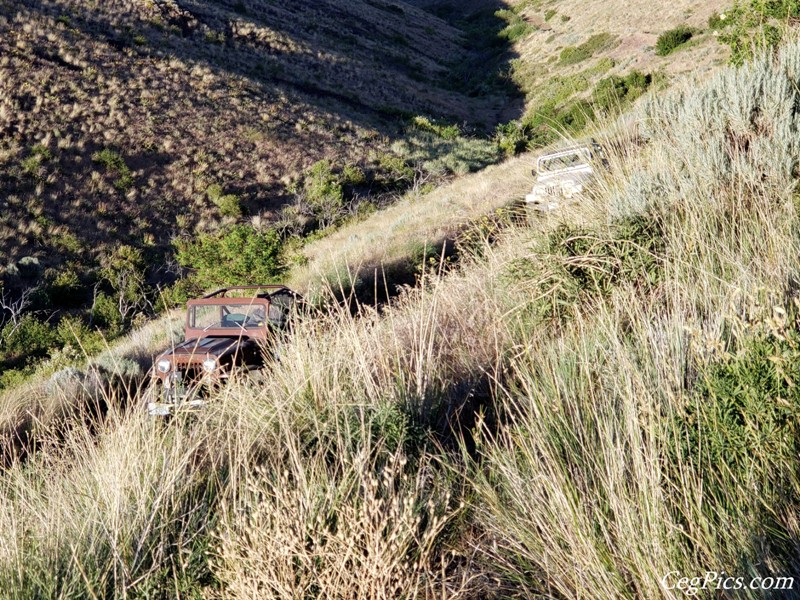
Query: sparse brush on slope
x,y
134,123
595,452
630,451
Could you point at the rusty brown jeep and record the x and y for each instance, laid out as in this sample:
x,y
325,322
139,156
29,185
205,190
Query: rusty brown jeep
x,y
234,328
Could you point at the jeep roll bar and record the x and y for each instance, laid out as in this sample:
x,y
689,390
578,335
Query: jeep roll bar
x,y
221,293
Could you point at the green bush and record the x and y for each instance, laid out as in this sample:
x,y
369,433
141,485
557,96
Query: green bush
x,y
746,410
513,137
65,287
546,124
516,28
393,171
446,132
11,378
715,21
556,117
740,428
577,266
323,192
176,295
440,157
754,26
238,255
615,92
32,165
29,338
105,314
229,204
74,332
572,55
353,176
115,164
124,271
671,40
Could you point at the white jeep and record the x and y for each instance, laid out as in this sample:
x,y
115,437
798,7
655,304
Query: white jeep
x,y
563,176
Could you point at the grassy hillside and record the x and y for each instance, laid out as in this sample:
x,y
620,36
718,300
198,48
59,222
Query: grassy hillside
x,y
128,126
579,407
152,150
185,95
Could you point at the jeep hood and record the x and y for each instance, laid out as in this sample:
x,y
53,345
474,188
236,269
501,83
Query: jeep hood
x,y
213,346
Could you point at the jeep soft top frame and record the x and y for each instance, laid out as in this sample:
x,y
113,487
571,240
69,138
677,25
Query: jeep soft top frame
x,y
222,292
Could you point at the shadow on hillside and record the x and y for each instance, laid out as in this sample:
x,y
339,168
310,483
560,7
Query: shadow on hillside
x,y
341,66
375,286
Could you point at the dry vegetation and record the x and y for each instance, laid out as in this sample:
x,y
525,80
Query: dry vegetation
x,y
401,235
186,95
133,128
573,411
625,34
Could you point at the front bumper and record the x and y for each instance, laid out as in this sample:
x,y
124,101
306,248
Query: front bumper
x,y
164,409
177,395
541,203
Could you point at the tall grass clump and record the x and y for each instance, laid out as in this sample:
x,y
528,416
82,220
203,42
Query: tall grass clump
x,y
322,477
670,41
347,525
653,430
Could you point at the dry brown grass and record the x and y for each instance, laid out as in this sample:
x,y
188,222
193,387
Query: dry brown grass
x,y
403,229
245,97
635,29
56,395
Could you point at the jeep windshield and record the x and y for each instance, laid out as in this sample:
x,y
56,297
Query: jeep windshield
x,y
563,161
236,316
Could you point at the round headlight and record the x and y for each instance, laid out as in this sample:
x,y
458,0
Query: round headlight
x,y
210,365
163,366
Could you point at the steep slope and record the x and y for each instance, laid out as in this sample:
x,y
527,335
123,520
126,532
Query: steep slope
x,y
188,94
574,43
129,124
573,411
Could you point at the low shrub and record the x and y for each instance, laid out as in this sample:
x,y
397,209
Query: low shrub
x,y
562,115
572,55
176,295
671,40
237,255
739,430
512,137
716,21
744,416
73,331
65,286
392,171
229,205
446,132
577,266
105,314
616,92
123,271
115,164
754,26
29,337
516,28
434,156
32,165
547,123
